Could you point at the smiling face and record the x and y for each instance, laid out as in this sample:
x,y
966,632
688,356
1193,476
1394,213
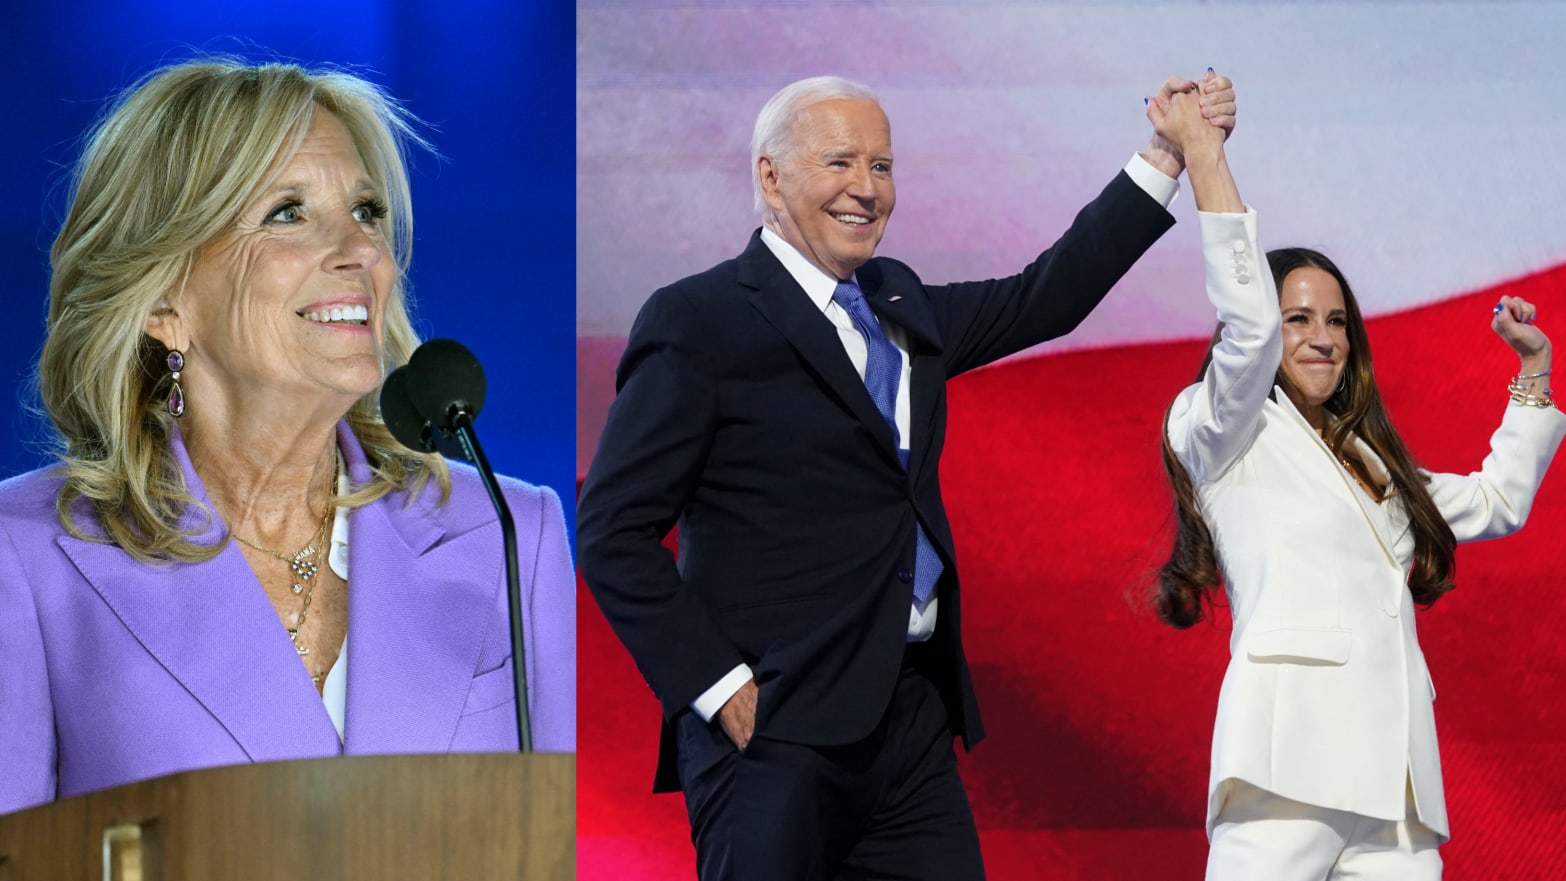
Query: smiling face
x,y
1315,338
286,305
831,194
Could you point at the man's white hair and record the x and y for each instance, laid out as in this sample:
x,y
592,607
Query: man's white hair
x,y
775,135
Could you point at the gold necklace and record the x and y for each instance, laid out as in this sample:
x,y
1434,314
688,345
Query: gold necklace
x,y
1348,466
1344,461
305,569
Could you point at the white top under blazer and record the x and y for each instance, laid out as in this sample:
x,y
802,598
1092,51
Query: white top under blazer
x,y
1327,699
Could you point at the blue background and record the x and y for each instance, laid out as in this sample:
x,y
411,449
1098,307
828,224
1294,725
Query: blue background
x,y
493,232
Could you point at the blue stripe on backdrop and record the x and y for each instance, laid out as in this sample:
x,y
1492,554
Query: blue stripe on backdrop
x,y
493,250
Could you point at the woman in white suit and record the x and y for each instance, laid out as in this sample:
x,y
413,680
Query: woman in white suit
x,y
1295,495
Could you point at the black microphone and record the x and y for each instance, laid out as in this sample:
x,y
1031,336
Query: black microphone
x,y
397,411
406,425
447,383
428,403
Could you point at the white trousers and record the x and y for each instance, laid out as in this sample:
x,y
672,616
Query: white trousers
x,y
1260,836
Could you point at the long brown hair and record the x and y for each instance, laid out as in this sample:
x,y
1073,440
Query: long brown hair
x,y
1189,580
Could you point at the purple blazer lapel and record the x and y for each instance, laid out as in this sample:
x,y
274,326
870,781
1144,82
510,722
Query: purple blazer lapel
x,y
421,595
211,627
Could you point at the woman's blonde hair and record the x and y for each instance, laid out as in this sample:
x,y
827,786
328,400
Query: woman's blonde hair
x,y
171,166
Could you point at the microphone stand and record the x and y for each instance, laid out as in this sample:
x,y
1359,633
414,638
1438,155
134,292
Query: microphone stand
x,y
462,427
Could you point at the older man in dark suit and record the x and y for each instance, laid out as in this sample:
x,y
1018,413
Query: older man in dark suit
x,y
787,409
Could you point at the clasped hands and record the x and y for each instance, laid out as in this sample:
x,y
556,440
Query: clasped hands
x,y
1188,117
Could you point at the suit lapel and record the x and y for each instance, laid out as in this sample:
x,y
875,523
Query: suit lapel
x,y
421,595
212,628
1373,513
900,307
1390,520
913,315
786,306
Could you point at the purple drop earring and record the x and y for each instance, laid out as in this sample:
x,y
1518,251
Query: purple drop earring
x,y
176,363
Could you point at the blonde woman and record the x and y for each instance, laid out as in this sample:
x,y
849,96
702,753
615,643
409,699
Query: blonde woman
x,y
228,510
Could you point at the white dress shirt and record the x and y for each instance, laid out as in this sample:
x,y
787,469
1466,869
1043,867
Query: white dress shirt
x,y
334,692
819,287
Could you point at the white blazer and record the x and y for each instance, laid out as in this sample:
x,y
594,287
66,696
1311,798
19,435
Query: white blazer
x,y
1327,699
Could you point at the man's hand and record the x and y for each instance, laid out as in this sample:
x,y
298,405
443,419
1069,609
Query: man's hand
x,y
738,715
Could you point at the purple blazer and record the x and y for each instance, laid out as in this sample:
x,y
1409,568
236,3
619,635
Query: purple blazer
x,y
113,671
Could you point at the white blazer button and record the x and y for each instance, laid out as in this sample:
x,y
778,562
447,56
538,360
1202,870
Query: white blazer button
x,y
1243,279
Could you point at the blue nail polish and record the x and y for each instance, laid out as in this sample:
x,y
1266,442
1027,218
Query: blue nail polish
x,y
1144,102
1498,308
1209,70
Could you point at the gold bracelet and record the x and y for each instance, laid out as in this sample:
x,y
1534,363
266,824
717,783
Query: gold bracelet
x,y
1519,393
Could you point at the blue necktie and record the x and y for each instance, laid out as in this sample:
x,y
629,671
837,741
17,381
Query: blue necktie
x,y
883,372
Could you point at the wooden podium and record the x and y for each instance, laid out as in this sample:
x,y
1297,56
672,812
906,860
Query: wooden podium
x,y
473,817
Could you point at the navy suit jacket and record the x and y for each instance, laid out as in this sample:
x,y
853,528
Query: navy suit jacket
x,y
740,417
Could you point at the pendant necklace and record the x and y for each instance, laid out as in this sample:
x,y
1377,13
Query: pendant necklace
x,y
305,566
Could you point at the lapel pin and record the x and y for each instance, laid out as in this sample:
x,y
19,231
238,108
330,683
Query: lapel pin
x,y
894,299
